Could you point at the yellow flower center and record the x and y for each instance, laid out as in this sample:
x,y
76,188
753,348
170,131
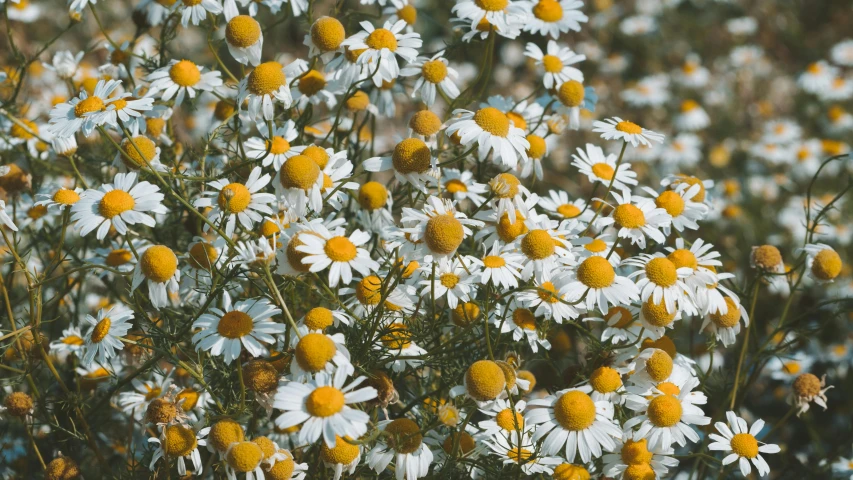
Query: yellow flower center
x,y
643,471
538,245
235,324
225,432
223,110
101,330
630,128
745,445
319,318
408,13
464,441
449,280
115,202
118,257
683,258
605,380
731,317
597,245
234,198
791,368
493,261
484,380
807,385
509,231
179,441
405,436
492,5
425,123
343,453
37,211
518,454
73,340
190,398
443,234
661,271
245,456
671,202
574,410
505,185
242,31
571,93
455,186
548,11
827,264
663,343
266,78
636,453
311,83
700,196
368,290
327,33
493,121
324,401
88,105
185,73
434,71
299,171
567,471
202,255
278,145
629,216
603,171
510,420
659,366
398,337
596,272
143,145
381,38
669,388
664,411
567,210
625,317
656,314
766,257
340,249
372,196
537,148
153,393
524,318
314,351
552,63
18,131
411,155
159,263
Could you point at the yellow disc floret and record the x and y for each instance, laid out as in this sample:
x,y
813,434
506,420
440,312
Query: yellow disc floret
x,y
605,380
225,432
635,453
88,105
235,324
244,456
404,434
100,331
372,196
659,366
596,272
179,441
159,263
656,314
266,78
443,234
630,128
745,445
242,31
671,202
484,380
493,121
826,265
411,155
425,123
434,71
185,73
567,471
324,401
299,171
343,452
574,410
664,411
571,93
327,33
728,319
314,351
629,216
115,202
234,198
381,38
538,245
661,271
549,11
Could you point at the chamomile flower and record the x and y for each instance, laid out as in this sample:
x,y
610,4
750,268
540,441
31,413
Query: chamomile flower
x,y
553,17
574,96
461,185
451,279
264,86
402,444
321,406
505,418
248,323
274,151
102,340
412,162
823,262
620,325
325,38
158,265
84,112
196,11
635,460
521,322
58,198
492,131
182,78
808,388
685,213
379,48
556,62
299,183
71,341
726,324
521,451
660,280
503,16
236,201
433,74
789,368
439,225
742,444
396,341
635,220
180,442
603,169
665,418
500,266
117,205
617,129
558,204
596,283
343,457
315,351
571,421
244,38
652,90
551,298
692,117
340,252
135,403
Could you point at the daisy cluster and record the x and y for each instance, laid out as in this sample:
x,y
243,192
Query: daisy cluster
x,y
287,239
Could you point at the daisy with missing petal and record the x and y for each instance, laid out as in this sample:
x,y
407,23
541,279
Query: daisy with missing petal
x,y
637,219
322,407
553,17
379,48
557,63
311,86
248,324
742,444
617,129
236,201
595,281
315,351
123,203
412,162
340,252
179,442
634,460
493,132
450,278
158,264
503,16
603,169
102,340
823,262
726,325
571,421
660,280
500,266
665,418
83,112
433,74
403,444
182,78
521,452
262,88
441,227
274,151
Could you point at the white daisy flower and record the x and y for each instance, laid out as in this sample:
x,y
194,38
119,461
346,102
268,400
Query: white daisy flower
x,y
620,325
660,280
158,264
179,442
439,225
461,185
617,129
742,443
636,460
334,249
277,150
692,117
603,169
135,403
500,266
665,419
122,203
321,406
182,78
403,445
315,351
551,298
553,17
71,341
450,278
245,39
380,47
823,262
83,112
103,339
571,421
649,91
506,17
493,132
521,322
196,11
299,184
237,202
558,204
556,63
311,86
59,197
725,325
515,451
596,282
637,219
505,418
247,324
685,212
433,74
265,85
395,340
